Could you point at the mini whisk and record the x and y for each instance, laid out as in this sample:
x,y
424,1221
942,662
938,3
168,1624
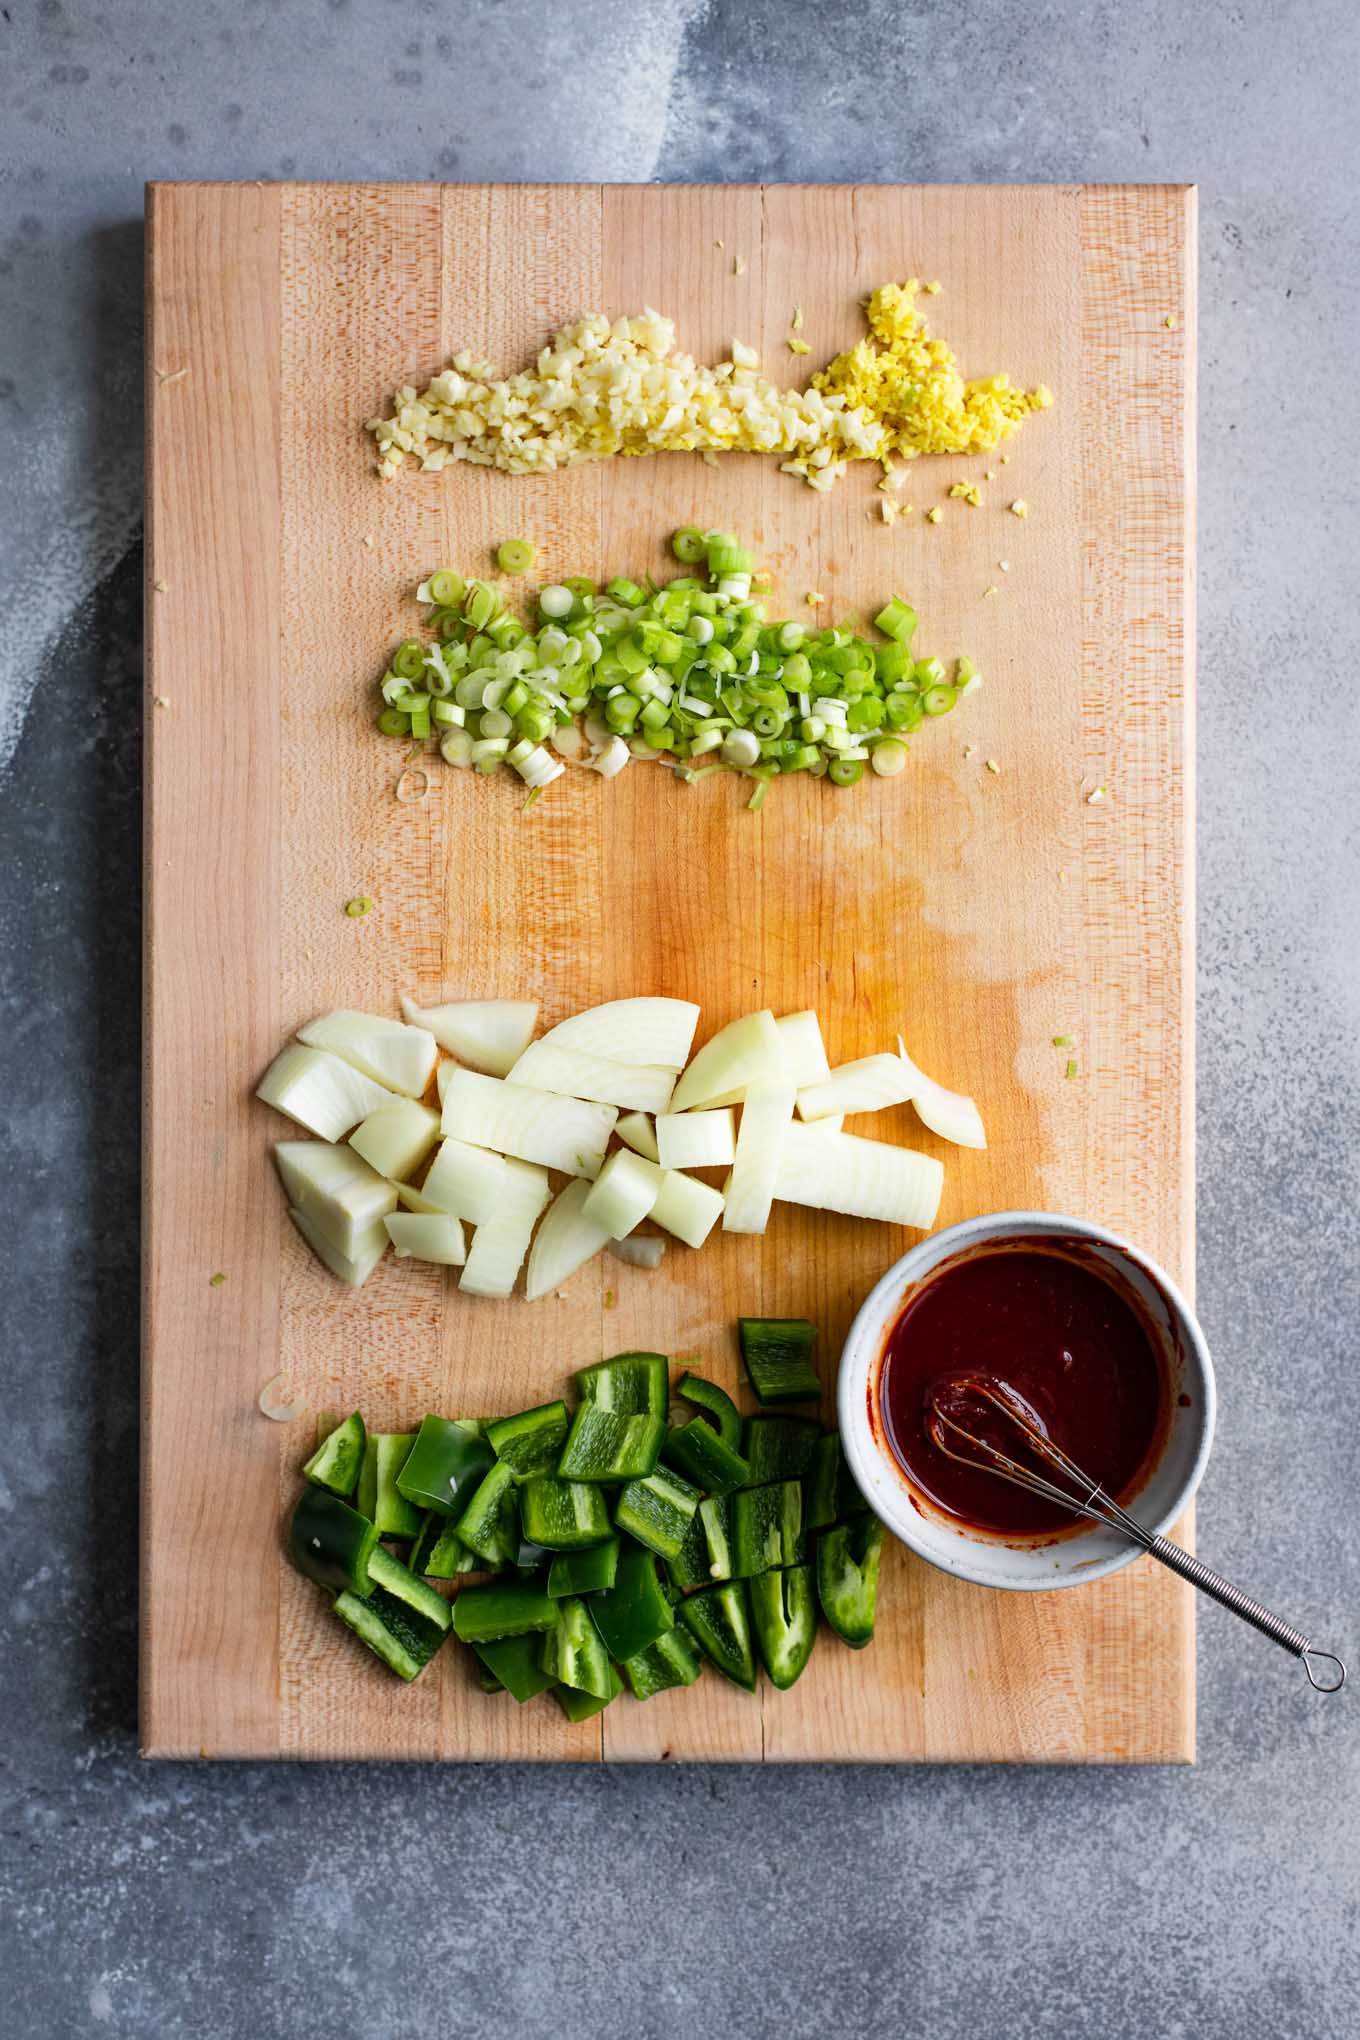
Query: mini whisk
x,y
1085,1497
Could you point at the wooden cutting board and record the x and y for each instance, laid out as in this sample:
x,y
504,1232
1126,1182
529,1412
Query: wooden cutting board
x,y
983,912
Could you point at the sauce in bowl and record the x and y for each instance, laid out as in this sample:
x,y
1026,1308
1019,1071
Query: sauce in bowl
x,y
1043,1319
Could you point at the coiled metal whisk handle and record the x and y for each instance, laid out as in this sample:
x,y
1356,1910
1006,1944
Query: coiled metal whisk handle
x,y
1326,1673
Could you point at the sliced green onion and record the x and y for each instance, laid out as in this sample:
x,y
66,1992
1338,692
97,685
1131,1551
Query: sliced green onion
x,y
514,556
555,600
408,661
939,700
888,758
845,771
447,589
896,619
688,545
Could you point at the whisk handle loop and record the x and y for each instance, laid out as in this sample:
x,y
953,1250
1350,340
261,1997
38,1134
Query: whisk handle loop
x,y
1325,1672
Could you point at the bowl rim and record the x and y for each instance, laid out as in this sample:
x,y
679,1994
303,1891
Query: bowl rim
x,y
963,1557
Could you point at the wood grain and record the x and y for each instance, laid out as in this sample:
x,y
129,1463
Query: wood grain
x,y
984,912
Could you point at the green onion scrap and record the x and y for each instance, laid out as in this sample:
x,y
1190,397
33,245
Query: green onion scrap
x,y
691,669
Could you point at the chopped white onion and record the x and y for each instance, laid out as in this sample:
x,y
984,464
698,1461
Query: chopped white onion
x,y
657,1033
488,1034
355,1269
949,1113
639,1250
765,1120
564,1242
624,1193
268,1404
435,1237
802,1048
396,1138
467,1182
686,1207
612,758
739,1054
862,1178
869,1085
568,1072
402,1058
635,1129
319,1091
335,1189
499,1246
569,1134
696,1140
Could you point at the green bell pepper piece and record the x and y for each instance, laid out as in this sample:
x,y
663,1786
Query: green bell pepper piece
x,y
447,1461
847,1577
778,1448
767,1523
439,1553
631,1384
583,1572
502,1608
658,1510
563,1515
489,1525
604,1446
699,1453
672,1660
784,1616
778,1357
634,1611
715,1515
378,1495
530,1442
573,1652
829,1491
689,1567
716,1404
332,1543
337,1459
719,1621
515,1663
401,1620
488,1682
578,1706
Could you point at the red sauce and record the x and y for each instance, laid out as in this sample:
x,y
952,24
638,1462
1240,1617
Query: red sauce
x,y
1042,1320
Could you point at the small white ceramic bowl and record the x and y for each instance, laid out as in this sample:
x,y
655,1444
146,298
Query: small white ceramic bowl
x,y
1076,1557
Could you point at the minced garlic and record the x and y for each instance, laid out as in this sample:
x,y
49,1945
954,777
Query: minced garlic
x,y
601,388
935,516
968,492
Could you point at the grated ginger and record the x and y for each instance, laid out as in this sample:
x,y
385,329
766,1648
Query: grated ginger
x,y
602,388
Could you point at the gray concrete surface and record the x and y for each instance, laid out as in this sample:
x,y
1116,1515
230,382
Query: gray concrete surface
x,y
1223,1903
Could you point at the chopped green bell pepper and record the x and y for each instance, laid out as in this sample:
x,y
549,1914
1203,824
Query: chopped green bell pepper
x,y
516,1663
699,1453
767,1523
658,1510
784,1615
531,1558
337,1459
378,1495
778,1448
689,1567
584,1572
715,1514
604,1446
446,1462
847,1577
716,1404
631,1384
672,1660
489,1525
502,1608
573,1652
563,1515
719,1621
439,1553
778,1357
829,1491
634,1611
332,1543
401,1620
530,1442
578,1706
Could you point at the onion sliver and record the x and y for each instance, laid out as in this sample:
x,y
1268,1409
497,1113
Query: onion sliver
x,y
696,1140
686,1207
278,1412
862,1178
804,1052
627,1189
869,1085
569,1134
488,1034
949,1113
401,1057
652,1031
564,1242
499,1246
396,1138
765,1119
319,1091
738,1055
636,1131
577,1073
354,1269
336,1189
467,1182
433,1237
